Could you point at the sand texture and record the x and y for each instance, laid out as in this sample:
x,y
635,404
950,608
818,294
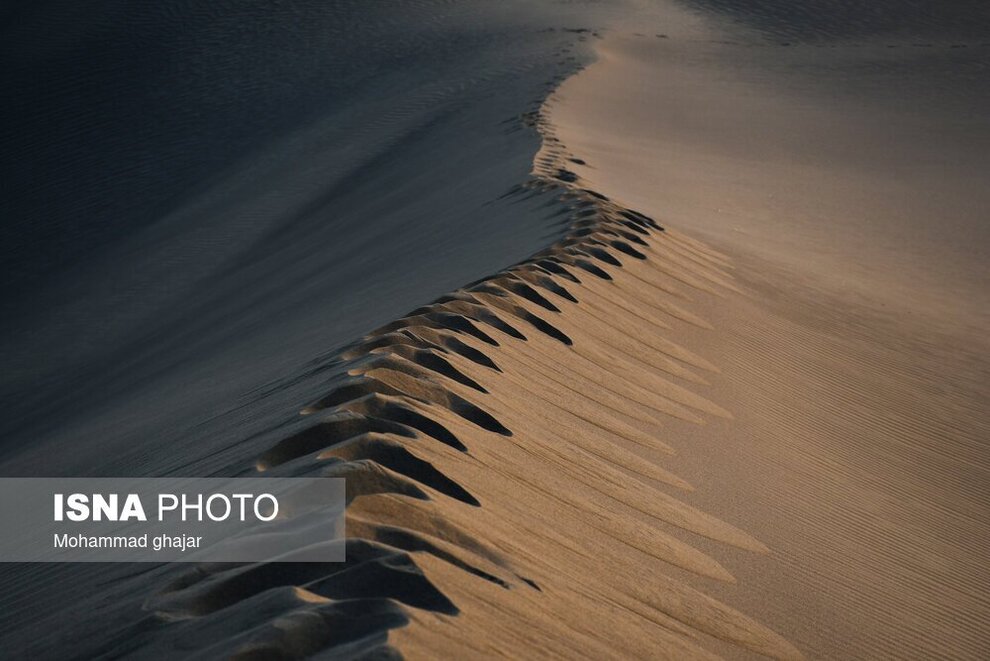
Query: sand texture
x,y
710,378
855,362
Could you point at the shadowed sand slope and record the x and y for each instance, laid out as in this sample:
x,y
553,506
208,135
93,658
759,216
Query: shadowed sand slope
x,y
506,450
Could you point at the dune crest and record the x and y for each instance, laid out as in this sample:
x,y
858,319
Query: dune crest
x,y
503,449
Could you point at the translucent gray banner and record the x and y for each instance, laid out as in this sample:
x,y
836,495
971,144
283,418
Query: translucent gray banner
x,y
171,519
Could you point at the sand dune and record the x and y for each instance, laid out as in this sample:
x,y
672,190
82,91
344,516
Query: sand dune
x,y
504,449
694,424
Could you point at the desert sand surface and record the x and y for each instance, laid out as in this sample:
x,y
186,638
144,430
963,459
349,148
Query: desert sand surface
x,y
634,332
847,185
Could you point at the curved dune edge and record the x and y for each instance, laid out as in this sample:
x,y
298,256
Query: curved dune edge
x,y
503,449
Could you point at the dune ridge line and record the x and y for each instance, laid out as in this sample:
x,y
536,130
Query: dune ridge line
x,y
503,452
